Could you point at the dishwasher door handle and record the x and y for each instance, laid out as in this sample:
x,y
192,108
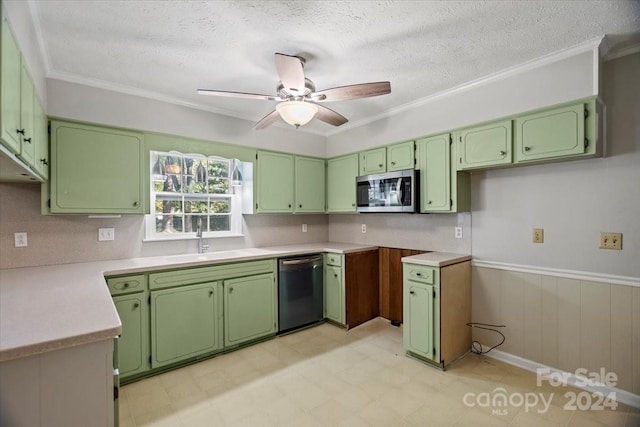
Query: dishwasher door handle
x,y
300,261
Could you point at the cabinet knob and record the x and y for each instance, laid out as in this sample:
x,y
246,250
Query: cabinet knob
x,y
300,206
136,305
419,274
135,203
20,131
353,204
44,161
231,289
335,275
393,163
502,153
126,285
28,140
412,293
429,202
289,204
380,165
527,148
210,292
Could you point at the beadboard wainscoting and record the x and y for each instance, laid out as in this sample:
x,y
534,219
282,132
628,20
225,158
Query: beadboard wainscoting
x,y
562,319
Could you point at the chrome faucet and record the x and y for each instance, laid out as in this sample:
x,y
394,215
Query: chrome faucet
x,y
202,247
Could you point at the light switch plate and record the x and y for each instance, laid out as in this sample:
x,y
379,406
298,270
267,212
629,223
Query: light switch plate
x,y
106,234
611,241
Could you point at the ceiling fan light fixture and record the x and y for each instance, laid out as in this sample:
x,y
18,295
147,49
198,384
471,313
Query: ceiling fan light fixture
x,y
297,113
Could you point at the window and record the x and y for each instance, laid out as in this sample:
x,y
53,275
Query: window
x,y
191,190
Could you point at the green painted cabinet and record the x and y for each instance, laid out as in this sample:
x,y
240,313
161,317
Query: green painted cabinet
x,y
420,326
274,182
484,146
550,134
186,321
309,185
250,307
133,344
10,73
96,170
27,118
401,156
373,161
442,188
334,287
41,136
341,184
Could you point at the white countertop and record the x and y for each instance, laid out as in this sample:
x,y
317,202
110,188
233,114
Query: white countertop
x,y
436,259
53,307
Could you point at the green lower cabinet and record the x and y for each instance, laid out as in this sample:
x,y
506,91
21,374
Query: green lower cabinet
x,y
550,134
250,308
185,322
420,325
133,344
334,293
484,146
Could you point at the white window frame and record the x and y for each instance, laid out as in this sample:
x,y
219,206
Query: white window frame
x,y
234,196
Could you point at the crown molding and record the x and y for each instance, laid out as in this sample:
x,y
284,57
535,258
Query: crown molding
x,y
619,53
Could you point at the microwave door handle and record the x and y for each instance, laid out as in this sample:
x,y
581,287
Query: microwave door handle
x,y
400,192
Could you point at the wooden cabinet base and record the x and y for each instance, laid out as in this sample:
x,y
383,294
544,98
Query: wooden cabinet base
x,y
362,300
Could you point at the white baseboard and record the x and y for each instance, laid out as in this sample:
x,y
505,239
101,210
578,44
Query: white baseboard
x,y
622,396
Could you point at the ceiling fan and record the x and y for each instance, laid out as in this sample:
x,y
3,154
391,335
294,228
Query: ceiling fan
x,y
298,100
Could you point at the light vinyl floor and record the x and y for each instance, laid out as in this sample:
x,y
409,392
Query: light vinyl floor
x,y
326,376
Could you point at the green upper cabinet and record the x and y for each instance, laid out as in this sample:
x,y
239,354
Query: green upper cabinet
x,y
442,188
483,146
250,308
309,185
401,156
10,72
551,133
341,184
186,321
96,170
373,161
27,118
434,155
274,182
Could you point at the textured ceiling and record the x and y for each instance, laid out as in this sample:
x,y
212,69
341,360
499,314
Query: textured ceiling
x,y
171,48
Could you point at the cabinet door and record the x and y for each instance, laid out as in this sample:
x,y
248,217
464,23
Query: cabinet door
x,y
133,345
341,184
435,173
401,156
27,145
96,170
310,185
554,133
250,308
11,69
373,161
41,140
334,294
419,319
274,186
185,322
484,146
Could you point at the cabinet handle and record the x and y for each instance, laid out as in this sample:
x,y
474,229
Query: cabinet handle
x,y
136,305
28,140
412,293
44,161
527,148
20,131
135,203
502,153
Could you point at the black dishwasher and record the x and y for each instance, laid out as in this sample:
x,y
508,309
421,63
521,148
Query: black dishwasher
x,y
300,292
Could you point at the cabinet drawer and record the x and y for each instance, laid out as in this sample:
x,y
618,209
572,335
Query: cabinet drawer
x,y
126,285
192,276
422,274
334,259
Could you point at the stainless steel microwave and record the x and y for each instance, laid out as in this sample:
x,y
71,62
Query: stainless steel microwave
x,y
388,192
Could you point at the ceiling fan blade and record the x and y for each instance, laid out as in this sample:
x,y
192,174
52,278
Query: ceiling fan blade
x,y
291,73
362,90
236,94
327,115
267,120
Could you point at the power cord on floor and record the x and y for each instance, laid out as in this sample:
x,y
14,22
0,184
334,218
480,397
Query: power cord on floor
x,y
476,347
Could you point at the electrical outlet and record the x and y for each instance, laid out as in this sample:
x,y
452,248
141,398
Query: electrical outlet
x,y
364,228
611,241
538,235
304,228
20,240
105,234
458,232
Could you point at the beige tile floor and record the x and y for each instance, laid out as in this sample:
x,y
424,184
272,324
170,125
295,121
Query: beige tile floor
x,y
326,376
